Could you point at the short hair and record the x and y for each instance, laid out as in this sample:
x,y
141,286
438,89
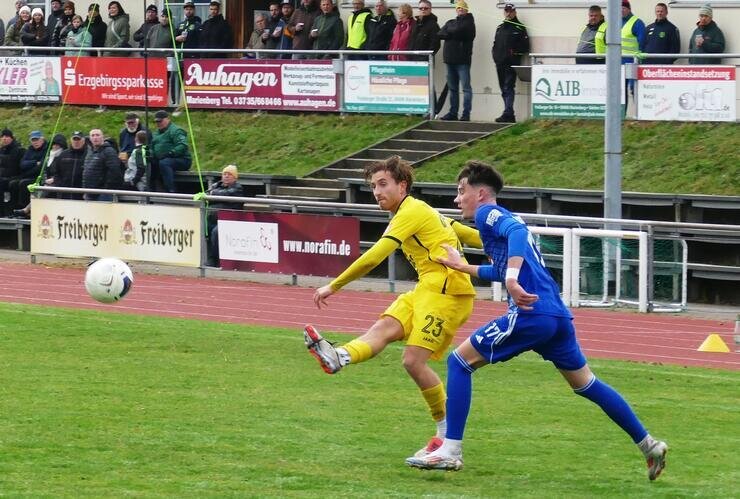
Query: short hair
x,y
661,4
406,9
399,169
595,8
428,2
141,137
479,173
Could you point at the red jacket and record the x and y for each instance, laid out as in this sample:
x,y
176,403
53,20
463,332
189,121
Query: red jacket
x,y
400,39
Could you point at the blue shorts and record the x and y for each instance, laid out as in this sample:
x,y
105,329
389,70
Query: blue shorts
x,y
554,338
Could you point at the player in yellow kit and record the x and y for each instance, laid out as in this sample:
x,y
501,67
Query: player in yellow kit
x,y
427,317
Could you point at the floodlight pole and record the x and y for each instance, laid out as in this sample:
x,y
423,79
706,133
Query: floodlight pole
x,y
147,162
613,117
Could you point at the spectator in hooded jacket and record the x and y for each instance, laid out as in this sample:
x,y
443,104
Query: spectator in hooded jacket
x,y
215,32
11,153
151,19
380,29
77,37
119,30
401,38
300,24
425,33
35,33
328,31
95,25
510,42
66,169
458,35
102,168
187,30
358,28
59,30
707,38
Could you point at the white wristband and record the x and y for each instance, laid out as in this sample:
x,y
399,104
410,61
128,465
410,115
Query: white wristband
x,y
512,273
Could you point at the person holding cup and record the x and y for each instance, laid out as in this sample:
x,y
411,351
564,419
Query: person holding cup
x,y
328,31
707,38
301,25
258,38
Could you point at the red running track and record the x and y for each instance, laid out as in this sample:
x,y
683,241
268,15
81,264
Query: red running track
x,y
657,338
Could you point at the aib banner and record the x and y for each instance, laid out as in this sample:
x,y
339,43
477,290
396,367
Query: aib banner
x,y
115,81
686,93
145,233
30,79
287,243
386,87
570,91
261,84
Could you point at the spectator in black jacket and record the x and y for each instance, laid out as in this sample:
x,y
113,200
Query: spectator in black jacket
x,y
29,171
66,169
509,44
425,33
11,153
60,29
187,31
457,54
127,137
215,32
227,186
380,29
151,19
661,37
95,25
102,169
35,33
57,12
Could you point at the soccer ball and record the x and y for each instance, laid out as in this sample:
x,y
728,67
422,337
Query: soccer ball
x,y
108,280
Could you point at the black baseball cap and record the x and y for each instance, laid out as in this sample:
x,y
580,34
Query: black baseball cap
x,y
77,133
160,115
7,132
188,4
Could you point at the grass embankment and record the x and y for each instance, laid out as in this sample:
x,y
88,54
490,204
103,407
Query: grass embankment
x,y
700,158
114,405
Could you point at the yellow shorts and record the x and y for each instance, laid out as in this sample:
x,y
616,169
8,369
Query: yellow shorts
x,y
430,320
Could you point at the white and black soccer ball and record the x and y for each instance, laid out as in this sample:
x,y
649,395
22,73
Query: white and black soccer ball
x,y
108,280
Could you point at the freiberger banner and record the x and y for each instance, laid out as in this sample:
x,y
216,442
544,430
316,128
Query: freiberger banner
x,y
145,233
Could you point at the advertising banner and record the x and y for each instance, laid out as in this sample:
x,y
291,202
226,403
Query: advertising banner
x,y
287,243
30,79
261,84
145,233
115,81
686,93
386,87
570,91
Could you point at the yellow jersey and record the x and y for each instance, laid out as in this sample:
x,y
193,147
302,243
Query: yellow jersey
x,y
419,230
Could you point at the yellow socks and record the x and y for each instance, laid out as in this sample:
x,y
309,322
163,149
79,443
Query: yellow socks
x,y
358,351
436,398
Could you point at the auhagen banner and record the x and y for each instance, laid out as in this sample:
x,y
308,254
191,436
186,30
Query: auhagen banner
x,y
570,91
115,81
386,87
30,79
145,233
686,93
287,243
304,85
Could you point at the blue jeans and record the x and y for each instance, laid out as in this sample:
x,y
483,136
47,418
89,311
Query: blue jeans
x,y
459,74
167,169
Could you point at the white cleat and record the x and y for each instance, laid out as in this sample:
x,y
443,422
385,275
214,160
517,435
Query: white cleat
x,y
436,462
324,351
434,444
656,459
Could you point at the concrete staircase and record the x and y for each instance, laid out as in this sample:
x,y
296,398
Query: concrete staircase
x,y
417,145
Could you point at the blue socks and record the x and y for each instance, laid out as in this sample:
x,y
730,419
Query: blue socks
x,y
459,393
612,403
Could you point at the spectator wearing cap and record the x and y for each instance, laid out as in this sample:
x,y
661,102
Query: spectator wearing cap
x,y
11,153
61,28
281,37
170,149
159,37
150,20
118,33
661,37
57,12
227,186
102,168
358,27
127,136
95,25
380,29
328,31
457,54
510,43
30,169
707,38
300,25
595,29
188,30
77,37
66,169
35,33
215,32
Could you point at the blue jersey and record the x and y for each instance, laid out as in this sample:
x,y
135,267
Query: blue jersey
x,y
505,235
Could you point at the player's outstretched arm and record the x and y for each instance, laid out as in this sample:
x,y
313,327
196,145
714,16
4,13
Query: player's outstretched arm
x,y
321,294
455,261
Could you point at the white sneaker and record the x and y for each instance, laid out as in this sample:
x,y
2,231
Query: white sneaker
x,y
433,444
324,351
656,459
435,461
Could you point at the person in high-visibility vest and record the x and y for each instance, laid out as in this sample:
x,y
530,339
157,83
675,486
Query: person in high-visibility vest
x,y
588,43
358,27
633,41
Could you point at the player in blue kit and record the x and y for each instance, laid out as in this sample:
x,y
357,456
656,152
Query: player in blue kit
x,y
537,320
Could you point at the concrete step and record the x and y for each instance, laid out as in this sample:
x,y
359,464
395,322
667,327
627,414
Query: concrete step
x,y
461,126
360,163
435,135
314,182
407,154
297,191
332,173
417,145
